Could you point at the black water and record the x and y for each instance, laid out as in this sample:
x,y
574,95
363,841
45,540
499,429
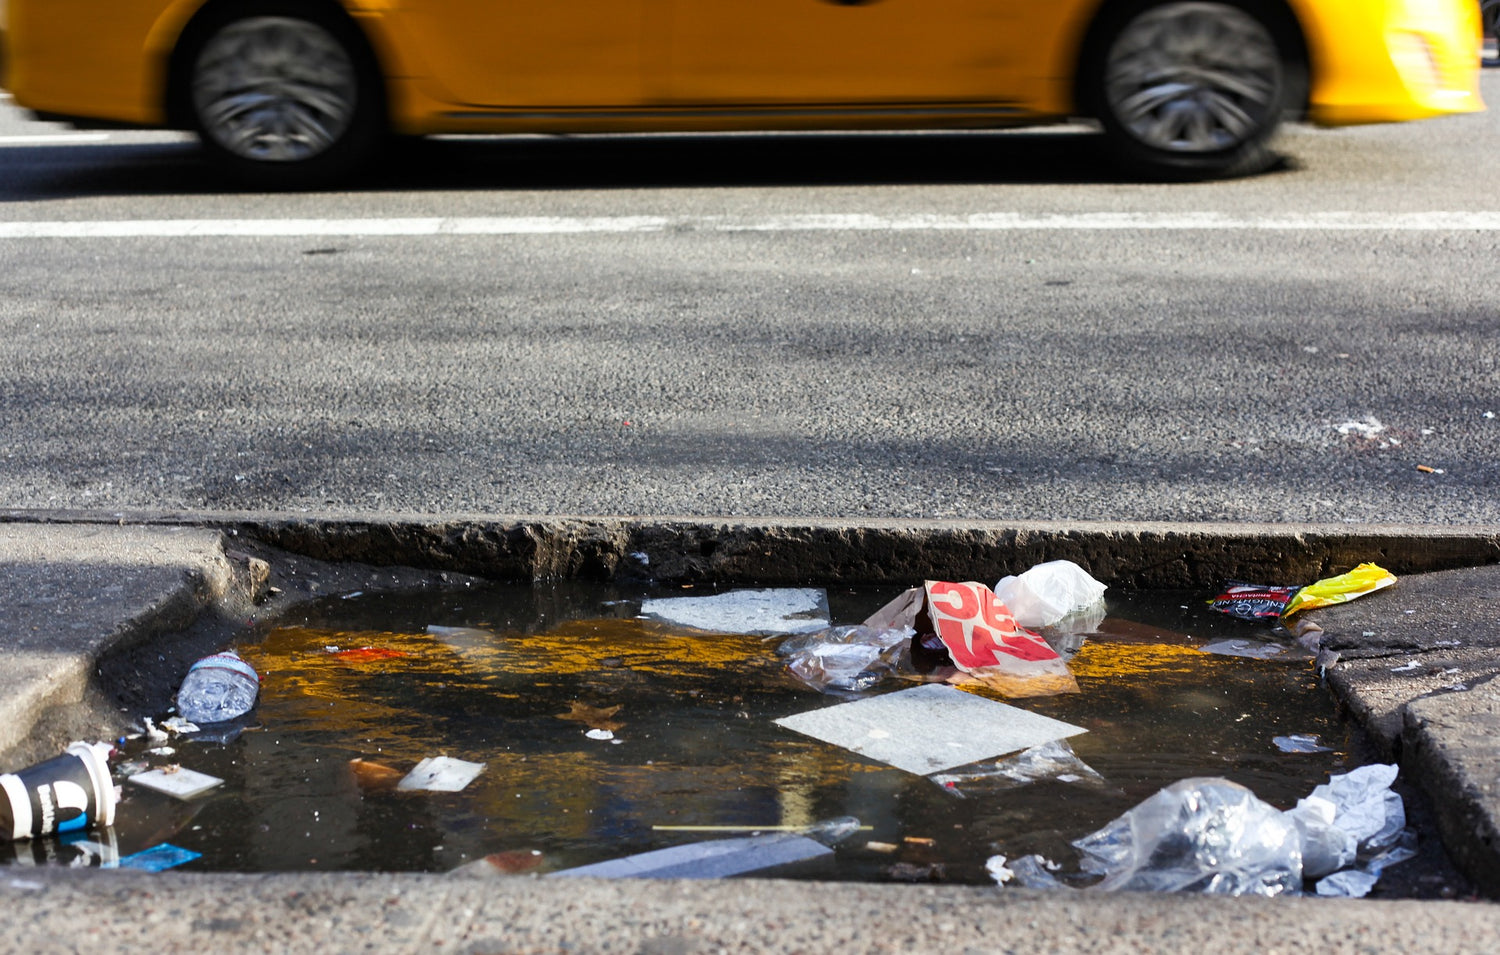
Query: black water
x,y
694,743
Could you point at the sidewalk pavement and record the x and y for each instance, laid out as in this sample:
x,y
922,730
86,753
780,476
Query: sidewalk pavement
x,y
1416,668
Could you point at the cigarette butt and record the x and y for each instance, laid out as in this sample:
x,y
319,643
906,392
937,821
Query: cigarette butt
x,y
1426,470
881,846
919,841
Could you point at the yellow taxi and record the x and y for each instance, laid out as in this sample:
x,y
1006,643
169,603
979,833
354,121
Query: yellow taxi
x,y
294,92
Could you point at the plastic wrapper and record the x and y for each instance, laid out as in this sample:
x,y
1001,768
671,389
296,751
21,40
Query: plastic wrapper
x,y
1045,594
1204,835
1364,579
1055,761
981,637
1252,601
845,658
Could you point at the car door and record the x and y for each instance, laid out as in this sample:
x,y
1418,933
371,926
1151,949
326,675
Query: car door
x,y
841,51
526,54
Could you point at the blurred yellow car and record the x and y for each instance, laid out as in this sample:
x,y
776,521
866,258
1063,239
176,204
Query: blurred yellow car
x,y
295,92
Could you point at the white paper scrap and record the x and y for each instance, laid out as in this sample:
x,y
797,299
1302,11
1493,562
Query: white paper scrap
x,y
182,783
441,774
776,611
929,728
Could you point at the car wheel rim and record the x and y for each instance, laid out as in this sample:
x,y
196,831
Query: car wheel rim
x,y
1193,77
274,89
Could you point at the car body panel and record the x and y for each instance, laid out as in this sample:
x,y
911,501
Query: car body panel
x,y
623,65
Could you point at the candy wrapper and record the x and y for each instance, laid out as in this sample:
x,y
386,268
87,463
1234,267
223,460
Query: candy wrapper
x,y
1364,579
1252,601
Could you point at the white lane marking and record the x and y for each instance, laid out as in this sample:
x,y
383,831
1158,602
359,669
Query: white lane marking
x,y
53,139
561,225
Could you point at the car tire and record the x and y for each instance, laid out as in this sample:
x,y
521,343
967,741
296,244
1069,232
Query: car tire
x,y
1489,12
1194,89
282,95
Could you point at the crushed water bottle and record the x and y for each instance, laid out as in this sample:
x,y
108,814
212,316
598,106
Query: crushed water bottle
x,y
218,688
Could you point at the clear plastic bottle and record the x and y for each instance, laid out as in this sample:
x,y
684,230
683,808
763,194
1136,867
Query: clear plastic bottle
x,y
218,688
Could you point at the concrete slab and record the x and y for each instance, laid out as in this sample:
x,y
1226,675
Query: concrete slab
x,y
72,592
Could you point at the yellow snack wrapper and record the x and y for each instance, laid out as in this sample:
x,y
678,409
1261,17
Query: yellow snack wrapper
x,y
1364,579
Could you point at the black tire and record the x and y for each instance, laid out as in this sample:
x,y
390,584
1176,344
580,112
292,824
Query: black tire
x,y
1489,12
1194,89
282,95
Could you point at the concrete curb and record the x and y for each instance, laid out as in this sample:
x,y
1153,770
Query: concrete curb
x,y
772,552
313,913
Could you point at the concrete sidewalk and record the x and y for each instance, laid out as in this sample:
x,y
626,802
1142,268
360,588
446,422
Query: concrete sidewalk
x,y
1416,669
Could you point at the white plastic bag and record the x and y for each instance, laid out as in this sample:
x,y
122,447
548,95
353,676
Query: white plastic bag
x,y
1049,592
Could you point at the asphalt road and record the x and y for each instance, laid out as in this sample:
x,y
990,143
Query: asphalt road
x,y
930,326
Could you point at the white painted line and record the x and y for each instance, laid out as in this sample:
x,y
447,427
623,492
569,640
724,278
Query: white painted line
x,y
559,225
53,139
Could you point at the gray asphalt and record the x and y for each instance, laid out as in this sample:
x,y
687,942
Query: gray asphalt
x,y
1132,375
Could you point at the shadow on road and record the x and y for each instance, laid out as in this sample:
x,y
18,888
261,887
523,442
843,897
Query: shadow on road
x,y
1063,156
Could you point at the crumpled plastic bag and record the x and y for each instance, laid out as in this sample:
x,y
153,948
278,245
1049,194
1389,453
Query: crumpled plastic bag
x,y
1364,805
1205,835
1364,579
1048,592
845,658
1326,848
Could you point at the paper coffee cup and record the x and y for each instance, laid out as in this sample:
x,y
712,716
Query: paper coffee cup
x,y
68,793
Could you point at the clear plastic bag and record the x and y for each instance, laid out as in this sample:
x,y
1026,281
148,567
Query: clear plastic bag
x,y
1048,592
1204,835
845,658
1055,760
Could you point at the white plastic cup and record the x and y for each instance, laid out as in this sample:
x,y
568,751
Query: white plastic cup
x,y
68,793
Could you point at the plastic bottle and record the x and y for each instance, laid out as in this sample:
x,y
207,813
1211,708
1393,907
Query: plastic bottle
x,y
217,688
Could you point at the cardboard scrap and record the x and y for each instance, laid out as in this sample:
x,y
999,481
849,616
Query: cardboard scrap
x,y
929,728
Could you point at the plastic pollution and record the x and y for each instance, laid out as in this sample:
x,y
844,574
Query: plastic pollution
x,y
218,688
1364,579
1201,835
1325,847
159,858
714,859
1054,760
845,658
76,850
1365,806
1031,872
1252,601
929,728
1301,743
979,636
67,793
1048,592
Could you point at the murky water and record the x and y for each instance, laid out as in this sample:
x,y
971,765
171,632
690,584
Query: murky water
x,y
514,677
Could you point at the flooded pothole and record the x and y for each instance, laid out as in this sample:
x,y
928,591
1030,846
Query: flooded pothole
x,y
605,735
